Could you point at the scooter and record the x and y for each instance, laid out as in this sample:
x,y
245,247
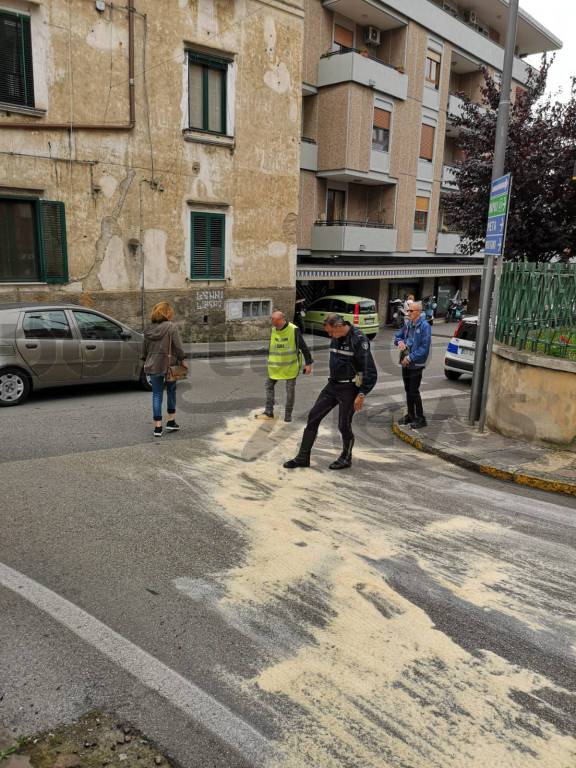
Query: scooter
x,y
398,313
456,309
429,305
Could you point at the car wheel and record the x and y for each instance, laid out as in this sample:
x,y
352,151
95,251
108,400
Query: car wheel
x,y
14,387
452,375
145,381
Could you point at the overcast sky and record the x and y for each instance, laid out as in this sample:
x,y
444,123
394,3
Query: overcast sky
x,y
559,16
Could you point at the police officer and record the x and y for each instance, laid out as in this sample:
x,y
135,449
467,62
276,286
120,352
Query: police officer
x,y
352,376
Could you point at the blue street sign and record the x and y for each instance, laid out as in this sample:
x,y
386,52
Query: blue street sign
x,y
500,186
496,225
497,215
493,246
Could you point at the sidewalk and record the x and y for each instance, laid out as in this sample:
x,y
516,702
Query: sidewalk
x,y
450,437
241,348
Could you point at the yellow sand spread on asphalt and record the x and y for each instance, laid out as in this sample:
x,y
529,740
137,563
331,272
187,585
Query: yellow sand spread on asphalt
x,y
375,688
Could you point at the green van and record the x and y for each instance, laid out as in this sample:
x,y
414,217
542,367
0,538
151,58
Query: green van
x,y
357,310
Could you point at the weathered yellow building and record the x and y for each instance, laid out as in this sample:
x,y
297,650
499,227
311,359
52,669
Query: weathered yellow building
x,y
149,149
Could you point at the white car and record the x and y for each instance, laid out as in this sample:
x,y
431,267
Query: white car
x,y
461,348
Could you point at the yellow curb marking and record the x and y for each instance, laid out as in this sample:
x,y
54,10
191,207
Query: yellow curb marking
x,y
554,486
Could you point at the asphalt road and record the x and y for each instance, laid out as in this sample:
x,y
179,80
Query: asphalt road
x,y
405,613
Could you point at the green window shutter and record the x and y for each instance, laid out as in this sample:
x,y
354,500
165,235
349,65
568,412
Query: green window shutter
x,y
208,244
53,250
16,73
207,92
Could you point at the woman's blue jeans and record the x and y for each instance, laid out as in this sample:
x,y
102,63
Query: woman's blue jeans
x,y
157,381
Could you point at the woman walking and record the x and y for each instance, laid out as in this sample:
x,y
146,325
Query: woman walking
x,y
163,349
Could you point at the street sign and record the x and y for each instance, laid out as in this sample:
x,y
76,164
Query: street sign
x,y
497,214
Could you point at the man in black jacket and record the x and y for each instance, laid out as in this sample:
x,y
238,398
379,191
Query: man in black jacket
x,y
352,376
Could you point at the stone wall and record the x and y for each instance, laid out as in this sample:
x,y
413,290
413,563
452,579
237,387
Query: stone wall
x,y
532,397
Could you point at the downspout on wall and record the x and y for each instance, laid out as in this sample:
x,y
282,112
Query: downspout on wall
x,y
95,126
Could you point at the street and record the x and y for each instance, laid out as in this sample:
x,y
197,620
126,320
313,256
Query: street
x,y
404,613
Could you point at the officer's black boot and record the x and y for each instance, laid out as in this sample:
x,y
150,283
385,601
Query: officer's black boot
x,y
345,459
303,457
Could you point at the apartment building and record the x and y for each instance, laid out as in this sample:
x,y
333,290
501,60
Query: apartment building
x,y
381,81
139,157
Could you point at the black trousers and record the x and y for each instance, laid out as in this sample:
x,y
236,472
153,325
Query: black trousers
x,y
412,378
341,395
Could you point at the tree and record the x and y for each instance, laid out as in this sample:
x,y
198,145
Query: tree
x,y
540,156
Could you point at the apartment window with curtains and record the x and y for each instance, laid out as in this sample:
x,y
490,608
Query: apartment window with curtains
x,y
427,142
207,96
381,130
343,37
421,214
433,62
16,76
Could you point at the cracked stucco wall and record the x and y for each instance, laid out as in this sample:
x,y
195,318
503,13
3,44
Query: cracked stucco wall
x,y
122,189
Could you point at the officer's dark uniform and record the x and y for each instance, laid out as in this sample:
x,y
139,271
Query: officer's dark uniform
x,y
349,356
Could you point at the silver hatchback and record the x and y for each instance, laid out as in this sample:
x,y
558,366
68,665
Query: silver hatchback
x,y
55,345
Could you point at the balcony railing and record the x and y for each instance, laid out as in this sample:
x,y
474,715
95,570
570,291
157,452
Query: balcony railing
x,y
367,55
353,223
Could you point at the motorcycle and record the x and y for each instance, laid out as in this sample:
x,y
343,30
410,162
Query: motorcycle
x,y
398,313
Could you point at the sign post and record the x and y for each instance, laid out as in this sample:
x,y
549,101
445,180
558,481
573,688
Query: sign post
x,y
495,243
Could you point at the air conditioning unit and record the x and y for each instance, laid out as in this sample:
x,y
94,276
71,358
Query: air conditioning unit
x,y
372,36
471,17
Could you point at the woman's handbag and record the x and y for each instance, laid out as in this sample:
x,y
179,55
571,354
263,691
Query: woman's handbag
x,y
175,372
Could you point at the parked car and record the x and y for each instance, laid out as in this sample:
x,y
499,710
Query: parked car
x,y
461,348
56,345
357,310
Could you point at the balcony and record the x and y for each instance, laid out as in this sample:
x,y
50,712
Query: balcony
x,y
308,155
450,177
447,243
353,237
351,66
455,106
532,37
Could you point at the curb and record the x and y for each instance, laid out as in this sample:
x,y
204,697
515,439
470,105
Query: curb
x,y
223,353
520,478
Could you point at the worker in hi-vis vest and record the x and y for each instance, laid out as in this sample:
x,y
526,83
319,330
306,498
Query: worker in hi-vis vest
x,y
287,347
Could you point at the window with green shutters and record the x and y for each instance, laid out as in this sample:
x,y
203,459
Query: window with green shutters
x,y
16,76
207,92
208,235
32,241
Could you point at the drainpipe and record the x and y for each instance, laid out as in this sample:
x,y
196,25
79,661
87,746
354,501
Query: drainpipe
x,y
96,126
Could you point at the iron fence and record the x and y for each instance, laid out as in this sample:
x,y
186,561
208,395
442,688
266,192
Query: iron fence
x,y
537,311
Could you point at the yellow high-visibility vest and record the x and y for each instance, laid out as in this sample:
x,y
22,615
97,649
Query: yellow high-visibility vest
x,y
283,354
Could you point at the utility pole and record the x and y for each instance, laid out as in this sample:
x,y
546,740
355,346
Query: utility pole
x,y
484,340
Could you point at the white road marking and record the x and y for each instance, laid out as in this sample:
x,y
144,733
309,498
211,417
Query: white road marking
x,y
147,669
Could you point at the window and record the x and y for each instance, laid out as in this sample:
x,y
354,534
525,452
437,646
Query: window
x,y
32,241
381,130
421,214
256,308
207,92
207,236
16,76
364,308
427,142
343,37
95,327
335,206
432,73
322,305
51,324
